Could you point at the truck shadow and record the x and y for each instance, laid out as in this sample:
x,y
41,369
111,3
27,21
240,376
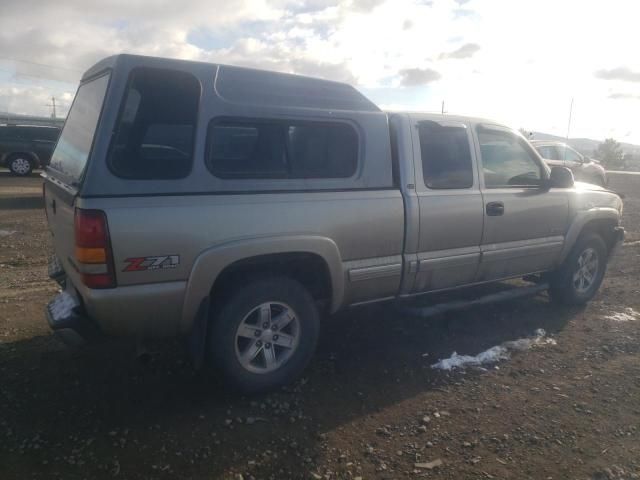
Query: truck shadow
x,y
29,202
368,359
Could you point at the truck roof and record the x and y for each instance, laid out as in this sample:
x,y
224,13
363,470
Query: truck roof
x,y
254,86
436,116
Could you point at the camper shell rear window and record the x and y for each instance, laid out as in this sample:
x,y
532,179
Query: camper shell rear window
x,y
74,145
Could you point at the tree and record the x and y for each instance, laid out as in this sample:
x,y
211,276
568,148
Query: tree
x,y
610,153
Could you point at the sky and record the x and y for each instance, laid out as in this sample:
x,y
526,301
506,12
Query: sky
x,y
518,62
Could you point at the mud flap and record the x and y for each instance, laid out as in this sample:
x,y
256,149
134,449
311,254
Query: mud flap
x,y
197,339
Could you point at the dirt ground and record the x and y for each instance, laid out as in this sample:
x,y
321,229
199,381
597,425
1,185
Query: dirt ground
x,y
570,410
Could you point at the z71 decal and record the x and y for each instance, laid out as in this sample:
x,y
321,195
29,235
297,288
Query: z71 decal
x,y
140,264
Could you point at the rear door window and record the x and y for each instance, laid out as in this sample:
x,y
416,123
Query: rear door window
x,y
446,156
156,129
73,147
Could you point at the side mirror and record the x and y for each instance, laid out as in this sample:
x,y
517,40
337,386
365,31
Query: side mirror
x,y
560,177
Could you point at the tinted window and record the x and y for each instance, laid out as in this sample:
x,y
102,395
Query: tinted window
x,y
507,160
42,133
72,150
281,149
446,158
549,152
156,127
571,155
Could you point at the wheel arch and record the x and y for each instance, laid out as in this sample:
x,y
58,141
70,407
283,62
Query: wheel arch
x,y
214,267
35,161
599,220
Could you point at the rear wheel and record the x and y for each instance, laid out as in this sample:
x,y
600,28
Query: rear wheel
x,y
20,165
264,334
578,279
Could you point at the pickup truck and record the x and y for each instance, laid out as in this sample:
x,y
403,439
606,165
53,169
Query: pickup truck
x,y
237,207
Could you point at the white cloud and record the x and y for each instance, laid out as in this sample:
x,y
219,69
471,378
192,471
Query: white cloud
x,y
513,61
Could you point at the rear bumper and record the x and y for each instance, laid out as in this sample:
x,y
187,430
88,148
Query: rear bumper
x,y
65,313
68,320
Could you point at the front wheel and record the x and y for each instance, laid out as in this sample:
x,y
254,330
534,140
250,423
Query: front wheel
x,y
264,334
578,279
20,165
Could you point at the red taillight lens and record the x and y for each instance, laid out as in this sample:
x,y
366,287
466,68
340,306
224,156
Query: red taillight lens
x,y
93,249
91,229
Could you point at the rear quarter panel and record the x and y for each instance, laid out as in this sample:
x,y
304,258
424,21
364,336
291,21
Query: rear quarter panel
x,y
366,226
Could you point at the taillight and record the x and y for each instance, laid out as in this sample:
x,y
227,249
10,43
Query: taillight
x,y
93,249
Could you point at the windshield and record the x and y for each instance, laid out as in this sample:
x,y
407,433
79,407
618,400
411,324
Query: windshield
x,y
74,145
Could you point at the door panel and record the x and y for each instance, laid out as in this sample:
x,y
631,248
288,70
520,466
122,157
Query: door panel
x,y
526,234
450,205
527,237
450,233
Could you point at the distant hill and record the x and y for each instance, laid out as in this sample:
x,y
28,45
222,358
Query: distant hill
x,y
586,146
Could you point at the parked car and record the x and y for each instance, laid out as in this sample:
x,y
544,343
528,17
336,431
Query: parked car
x,y
247,204
25,147
584,168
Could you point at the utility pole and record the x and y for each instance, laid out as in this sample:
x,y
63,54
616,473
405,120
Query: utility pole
x,y
53,107
442,109
569,124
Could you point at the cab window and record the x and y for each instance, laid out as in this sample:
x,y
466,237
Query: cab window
x,y
550,152
446,157
570,155
507,160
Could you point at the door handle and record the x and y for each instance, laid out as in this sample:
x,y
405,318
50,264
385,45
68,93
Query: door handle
x,y
495,209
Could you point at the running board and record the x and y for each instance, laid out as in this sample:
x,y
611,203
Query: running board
x,y
439,308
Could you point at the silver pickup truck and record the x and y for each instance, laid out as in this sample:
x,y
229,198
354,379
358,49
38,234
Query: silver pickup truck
x,y
236,207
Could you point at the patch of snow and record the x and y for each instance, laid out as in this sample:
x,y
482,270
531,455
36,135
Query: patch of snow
x,y
494,354
628,315
62,305
6,233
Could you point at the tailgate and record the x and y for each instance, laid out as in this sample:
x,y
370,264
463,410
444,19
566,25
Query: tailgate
x,y
59,202
64,174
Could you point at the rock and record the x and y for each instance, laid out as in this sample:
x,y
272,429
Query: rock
x,y
426,419
429,465
422,428
467,445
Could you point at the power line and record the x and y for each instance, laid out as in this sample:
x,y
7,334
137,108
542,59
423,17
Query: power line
x,y
40,64
37,76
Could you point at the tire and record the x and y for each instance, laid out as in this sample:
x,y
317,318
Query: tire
x,y
252,355
568,285
20,164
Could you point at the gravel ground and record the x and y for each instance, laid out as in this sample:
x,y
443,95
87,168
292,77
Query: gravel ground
x,y
369,406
